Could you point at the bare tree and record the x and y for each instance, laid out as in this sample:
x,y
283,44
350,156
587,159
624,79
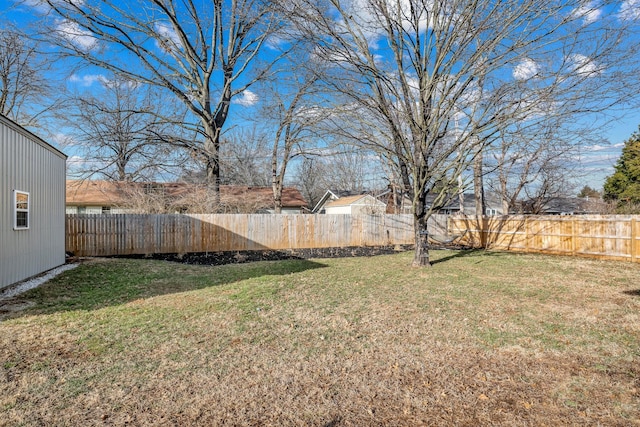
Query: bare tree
x,y
244,158
478,184
431,83
351,170
199,52
533,163
24,86
308,178
293,109
117,133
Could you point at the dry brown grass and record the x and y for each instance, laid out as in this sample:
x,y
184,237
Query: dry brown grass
x,y
479,339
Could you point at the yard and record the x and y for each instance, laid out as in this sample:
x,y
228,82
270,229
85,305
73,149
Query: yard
x,y
481,338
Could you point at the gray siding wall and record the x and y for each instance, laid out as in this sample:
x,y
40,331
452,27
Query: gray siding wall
x,y
29,164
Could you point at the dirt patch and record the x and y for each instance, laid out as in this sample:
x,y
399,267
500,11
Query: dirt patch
x,y
13,305
237,257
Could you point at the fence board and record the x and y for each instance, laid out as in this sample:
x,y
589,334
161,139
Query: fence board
x,y
608,237
615,237
129,234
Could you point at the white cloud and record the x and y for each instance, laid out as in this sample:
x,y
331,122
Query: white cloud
x,y
367,18
363,19
246,99
169,37
121,83
630,10
277,42
88,79
312,114
583,65
598,147
38,5
81,38
76,161
63,140
588,12
526,69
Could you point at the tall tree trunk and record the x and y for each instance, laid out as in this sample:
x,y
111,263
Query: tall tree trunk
x,y
276,186
478,184
421,253
212,153
276,181
461,195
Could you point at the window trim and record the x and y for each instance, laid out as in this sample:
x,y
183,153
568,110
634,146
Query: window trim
x,y
17,209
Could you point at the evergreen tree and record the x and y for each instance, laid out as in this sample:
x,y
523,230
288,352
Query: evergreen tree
x,y
624,185
589,192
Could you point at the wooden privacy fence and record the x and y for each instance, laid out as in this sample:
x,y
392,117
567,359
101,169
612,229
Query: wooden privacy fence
x,y
129,234
615,237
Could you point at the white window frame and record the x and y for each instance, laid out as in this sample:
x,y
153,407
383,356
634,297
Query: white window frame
x,y
17,209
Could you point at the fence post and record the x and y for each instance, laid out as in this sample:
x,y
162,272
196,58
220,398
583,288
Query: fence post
x,y
573,236
526,234
634,244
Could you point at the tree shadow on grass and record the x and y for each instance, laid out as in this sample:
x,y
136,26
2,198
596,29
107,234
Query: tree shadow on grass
x,y
104,282
466,253
633,292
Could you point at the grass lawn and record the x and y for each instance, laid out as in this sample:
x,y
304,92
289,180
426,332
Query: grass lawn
x,y
480,338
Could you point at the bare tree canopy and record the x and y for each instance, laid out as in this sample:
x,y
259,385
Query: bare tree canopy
x,y
117,133
24,88
293,109
199,52
245,158
431,83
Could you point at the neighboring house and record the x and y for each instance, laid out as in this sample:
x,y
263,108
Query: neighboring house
x,y
97,197
564,206
330,196
239,198
493,205
396,203
107,197
32,223
353,205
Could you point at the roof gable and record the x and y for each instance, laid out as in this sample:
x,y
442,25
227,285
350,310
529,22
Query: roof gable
x,y
33,137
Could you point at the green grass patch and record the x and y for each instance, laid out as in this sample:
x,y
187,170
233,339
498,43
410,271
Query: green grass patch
x,y
479,338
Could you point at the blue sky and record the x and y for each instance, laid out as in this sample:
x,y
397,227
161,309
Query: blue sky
x,y
596,159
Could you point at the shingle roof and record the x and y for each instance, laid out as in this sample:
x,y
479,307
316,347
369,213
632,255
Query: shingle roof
x,y
349,200
90,192
95,192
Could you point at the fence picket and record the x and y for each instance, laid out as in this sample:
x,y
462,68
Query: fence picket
x,y
611,237
130,234
608,237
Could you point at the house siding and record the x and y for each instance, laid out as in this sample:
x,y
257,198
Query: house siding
x,y
31,165
338,210
95,210
362,205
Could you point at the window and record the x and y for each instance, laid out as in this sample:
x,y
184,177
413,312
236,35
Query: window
x,y
21,210
491,212
106,210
